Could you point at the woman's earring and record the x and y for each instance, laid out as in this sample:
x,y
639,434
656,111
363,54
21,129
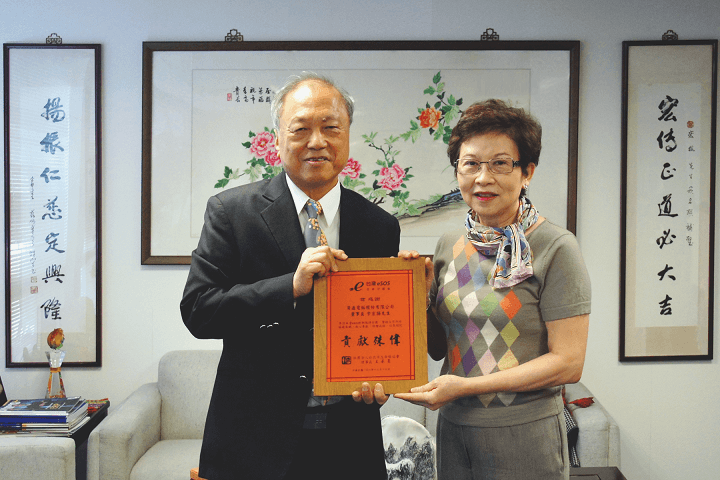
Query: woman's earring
x,y
526,187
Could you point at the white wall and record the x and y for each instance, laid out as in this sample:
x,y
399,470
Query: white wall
x,y
666,412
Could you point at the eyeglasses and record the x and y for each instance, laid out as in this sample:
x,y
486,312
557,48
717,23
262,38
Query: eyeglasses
x,y
497,166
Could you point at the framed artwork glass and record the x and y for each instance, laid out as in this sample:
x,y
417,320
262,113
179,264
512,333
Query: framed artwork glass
x,y
207,125
52,202
668,207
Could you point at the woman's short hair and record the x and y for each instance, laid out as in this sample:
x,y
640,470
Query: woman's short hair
x,y
496,116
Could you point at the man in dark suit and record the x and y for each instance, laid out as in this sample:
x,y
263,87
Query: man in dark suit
x,y
250,284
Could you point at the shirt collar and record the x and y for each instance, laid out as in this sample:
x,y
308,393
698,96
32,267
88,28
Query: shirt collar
x,y
330,202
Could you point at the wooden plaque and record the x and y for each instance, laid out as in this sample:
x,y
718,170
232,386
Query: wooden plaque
x,y
370,326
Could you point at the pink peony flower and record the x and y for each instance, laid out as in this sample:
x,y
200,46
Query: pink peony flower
x,y
261,143
392,177
352,169
272,157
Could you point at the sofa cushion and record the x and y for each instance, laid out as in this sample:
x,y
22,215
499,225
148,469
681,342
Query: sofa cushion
x,y
185,381
168,460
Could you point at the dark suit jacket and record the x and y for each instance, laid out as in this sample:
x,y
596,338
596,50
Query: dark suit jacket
x,y
239,289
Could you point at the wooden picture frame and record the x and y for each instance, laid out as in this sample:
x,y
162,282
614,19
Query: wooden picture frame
x,y
52,202
206,124
668,200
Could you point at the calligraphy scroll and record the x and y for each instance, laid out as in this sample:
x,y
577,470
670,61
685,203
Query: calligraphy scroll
x,y
52,161
668,199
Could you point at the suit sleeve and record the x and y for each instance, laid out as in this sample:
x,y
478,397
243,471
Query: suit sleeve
x,y
232,285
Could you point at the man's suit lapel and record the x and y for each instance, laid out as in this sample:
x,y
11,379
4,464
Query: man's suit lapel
x,y
352,228
282,221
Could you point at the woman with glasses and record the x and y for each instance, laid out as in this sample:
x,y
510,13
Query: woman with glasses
x,y
508,310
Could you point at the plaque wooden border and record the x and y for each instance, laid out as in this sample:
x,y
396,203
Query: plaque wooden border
x,y
417,304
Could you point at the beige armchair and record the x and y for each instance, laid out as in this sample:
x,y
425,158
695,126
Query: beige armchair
x,y
157,431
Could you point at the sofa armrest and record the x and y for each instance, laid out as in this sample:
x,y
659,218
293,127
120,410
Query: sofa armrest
x,y
598,442
23,457
125,435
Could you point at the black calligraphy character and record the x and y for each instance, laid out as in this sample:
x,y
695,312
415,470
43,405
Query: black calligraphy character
x,y
689,240
51,240
691,134
346,341
362,341
666,107
664,271
667,172
378,341
395,339
48,145
664,239
691,148
52,110
52,175
665,307
53,271
52,308
668,138
666,207
54,211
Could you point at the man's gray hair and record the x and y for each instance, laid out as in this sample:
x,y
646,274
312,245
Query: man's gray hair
x,y
295,80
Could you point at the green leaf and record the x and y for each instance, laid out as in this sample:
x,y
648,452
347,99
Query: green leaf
x,y
437,104
441,87
415,135
446,108
247,144
413,211
452,114
251,134
451,100
228,171
221,183
429,91
446,138
414,125
459,101
437,78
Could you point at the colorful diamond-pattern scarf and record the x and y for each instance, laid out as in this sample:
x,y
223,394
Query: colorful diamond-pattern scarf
x,y
513,257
